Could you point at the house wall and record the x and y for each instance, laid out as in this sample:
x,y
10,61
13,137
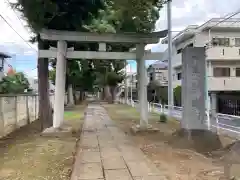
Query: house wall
x,y
202,38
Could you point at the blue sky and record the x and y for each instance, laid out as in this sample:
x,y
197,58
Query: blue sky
x,y
154,48
22,60
184,13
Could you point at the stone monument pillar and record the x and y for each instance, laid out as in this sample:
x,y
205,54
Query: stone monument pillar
x,y
193,88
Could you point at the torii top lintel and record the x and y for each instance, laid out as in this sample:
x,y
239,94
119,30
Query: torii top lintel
x,y
74,36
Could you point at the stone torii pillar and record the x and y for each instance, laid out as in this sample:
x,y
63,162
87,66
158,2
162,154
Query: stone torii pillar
x,y
58,115
142,86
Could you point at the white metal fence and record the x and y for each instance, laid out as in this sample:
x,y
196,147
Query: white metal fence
x,y
220,123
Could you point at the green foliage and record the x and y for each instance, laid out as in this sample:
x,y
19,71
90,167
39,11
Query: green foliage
x,y
122,16
178,95
79,73
135,15
161,91
52,75
58,14
14,83
113,78
163,118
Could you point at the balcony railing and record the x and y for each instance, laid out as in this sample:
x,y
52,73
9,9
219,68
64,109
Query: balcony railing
x,y
223,53
224,83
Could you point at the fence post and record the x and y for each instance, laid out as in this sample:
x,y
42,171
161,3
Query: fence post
x,y
1,118
35,104
27,108
217,124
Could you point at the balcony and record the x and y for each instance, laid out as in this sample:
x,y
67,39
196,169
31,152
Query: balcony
x,y
223,53
223,83
177,60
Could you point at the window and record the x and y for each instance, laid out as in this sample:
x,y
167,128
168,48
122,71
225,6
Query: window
x,y
221,72
179,51
190,45
151,76
220,41
237,42
238,72
159,77
179,76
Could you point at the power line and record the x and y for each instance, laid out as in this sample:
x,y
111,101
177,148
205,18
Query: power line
x,y
19,36
16,15
224,18
17,33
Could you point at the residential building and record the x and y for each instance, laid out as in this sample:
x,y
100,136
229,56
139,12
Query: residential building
x,y
33,83
132,80
158,72
222,42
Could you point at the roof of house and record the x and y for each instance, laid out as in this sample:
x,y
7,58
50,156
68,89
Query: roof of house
x,y
159,64
4,55
214,24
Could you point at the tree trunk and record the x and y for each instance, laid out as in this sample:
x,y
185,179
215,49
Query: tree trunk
x,y
81,96
74,97
107,94
113,93
45,109
70,95
103,93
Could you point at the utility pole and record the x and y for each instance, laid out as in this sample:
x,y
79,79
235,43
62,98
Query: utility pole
x,y
126,84
131,81
170,87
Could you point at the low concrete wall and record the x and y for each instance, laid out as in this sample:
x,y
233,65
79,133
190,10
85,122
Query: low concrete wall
x,y
17,111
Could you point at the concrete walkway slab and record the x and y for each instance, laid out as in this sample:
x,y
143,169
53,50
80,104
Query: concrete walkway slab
x,y
119,174
107,153
114,163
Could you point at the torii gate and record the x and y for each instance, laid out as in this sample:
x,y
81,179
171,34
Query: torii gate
x,y
62,53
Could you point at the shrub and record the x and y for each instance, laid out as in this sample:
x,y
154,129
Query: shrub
x,y
163,118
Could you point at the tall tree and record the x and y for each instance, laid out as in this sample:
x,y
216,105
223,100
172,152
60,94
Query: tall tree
x,y
122,16
58,15
80,75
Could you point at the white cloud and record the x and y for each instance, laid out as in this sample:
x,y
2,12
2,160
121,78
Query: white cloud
x,y
8,36
29,52
193,12
188,12
31,73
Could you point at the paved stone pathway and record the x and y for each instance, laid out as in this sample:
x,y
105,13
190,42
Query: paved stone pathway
x,y
107,153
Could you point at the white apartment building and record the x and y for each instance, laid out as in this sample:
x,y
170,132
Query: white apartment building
x,y
33,83
132,80
158,72
222,42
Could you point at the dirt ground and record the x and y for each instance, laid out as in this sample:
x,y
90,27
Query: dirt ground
x,y
25,155
178,161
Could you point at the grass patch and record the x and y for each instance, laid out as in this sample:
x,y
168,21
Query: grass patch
x,y
129,115
25,155
68,115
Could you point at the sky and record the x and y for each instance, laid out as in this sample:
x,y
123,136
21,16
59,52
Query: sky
x,y
184,13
